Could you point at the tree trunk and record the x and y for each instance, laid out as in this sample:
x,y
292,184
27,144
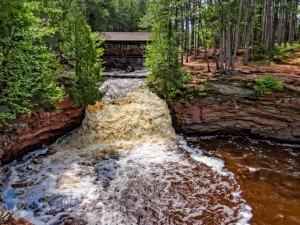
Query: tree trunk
x,y
293,21
187,30
221,39
192,19
182,35
206,57
250,7
237,32
229,41
286,27
215,53
280,24
264,22
275,22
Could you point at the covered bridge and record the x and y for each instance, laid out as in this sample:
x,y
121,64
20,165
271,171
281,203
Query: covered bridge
x,y
125,44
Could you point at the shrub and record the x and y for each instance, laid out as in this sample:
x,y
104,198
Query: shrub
x,y
208,84
267,85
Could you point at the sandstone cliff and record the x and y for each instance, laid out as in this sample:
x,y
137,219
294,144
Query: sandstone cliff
x,y
234,107
30,132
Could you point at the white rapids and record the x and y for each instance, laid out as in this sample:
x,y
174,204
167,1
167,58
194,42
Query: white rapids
x,y
124,165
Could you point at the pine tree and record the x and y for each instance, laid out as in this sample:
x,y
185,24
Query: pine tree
x,y
27,68
81,50
162,54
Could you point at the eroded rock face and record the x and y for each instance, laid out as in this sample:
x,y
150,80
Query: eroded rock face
x,y
30,132
231,108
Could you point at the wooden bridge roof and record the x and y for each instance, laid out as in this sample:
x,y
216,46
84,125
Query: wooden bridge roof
x,y
126,36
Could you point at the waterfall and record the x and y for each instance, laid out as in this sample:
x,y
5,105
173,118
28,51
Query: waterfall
x,y
124,165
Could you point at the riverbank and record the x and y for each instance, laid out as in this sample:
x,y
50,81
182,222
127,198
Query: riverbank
x,y
229,104
212,104
27,133
234,107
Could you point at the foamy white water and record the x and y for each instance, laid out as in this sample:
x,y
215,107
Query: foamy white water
x,y
125,165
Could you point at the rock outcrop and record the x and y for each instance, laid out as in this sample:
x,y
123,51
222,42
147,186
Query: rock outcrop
x,y
234,107
30,132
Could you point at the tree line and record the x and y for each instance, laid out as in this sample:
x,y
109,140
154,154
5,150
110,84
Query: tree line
x,y
181,27
226,26
51,49
48,49
114,15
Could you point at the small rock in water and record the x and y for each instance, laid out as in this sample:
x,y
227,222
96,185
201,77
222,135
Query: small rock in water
x,y
23,184
129,69
37,161
53,150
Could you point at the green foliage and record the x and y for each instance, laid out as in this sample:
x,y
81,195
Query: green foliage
x,y
33,35
145,23
113,15
284,49
27,68
83,52
267,85
261,53
202,90
208,84
265,62
162,54
285,52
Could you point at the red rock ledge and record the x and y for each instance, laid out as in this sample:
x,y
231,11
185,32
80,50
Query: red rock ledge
x,y
232,107
30,132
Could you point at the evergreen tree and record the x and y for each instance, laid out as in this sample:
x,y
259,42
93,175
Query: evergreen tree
x,y
113,15
27,68
33,35
162,54
80,49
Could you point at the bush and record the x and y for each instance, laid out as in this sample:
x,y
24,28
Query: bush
x,y
261,52
208,84
267,85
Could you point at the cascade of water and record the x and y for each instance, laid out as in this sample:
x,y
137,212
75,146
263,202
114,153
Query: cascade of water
x,y
125,165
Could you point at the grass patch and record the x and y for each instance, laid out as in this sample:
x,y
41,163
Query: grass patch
x,y
283,53
202,90
267,85
262,63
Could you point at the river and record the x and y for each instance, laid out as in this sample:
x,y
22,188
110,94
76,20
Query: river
x,y
268,173
126,165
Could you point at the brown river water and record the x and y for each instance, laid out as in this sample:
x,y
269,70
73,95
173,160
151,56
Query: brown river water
x,y
126,165
268,173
